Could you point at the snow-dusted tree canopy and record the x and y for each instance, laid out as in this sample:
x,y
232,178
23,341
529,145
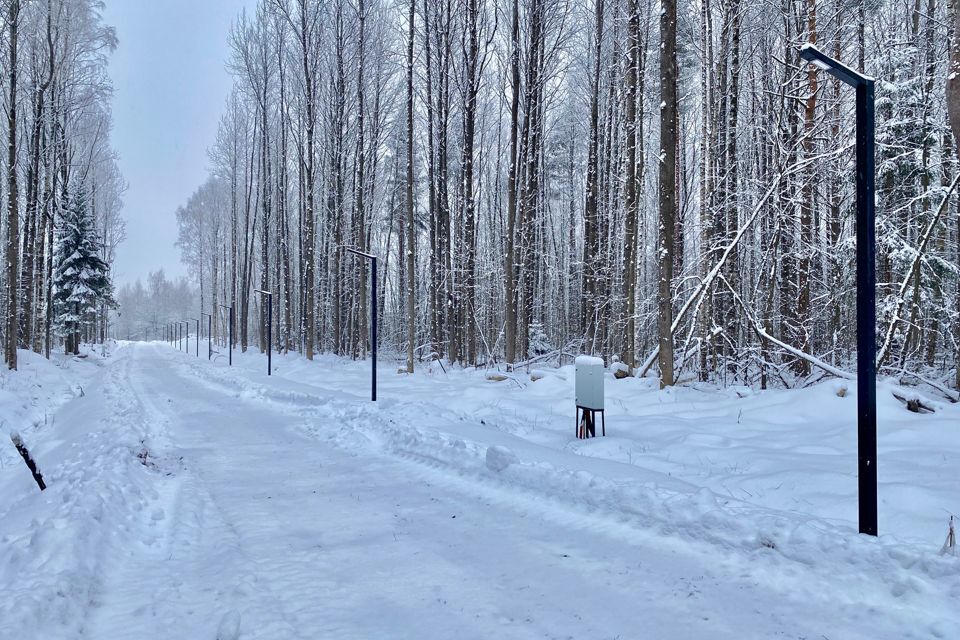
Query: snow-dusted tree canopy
x,y
56,95
610,246
526,138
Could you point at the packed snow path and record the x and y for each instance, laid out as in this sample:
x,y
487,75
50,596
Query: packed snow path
x,y
217,509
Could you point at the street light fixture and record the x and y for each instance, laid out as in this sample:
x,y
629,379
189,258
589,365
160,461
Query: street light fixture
x,y
269,295
373,318
866,283
230,348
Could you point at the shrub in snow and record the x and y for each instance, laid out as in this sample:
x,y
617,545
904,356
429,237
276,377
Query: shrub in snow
x,y
950,545
539,343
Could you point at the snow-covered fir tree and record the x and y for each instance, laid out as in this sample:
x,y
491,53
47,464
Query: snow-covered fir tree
x,y
81,277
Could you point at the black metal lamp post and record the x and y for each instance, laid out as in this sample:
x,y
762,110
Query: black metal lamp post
x,y
269,295
373,319
209,333
866,283
197,320
230,322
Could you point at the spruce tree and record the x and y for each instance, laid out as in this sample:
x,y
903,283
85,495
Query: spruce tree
x,y
81,280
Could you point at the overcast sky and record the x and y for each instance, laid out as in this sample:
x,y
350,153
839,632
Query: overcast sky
x,y
171,85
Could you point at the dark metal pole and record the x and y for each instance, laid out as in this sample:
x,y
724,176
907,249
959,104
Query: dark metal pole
x,y
269,334
210,337
866,283
186,323
269,328
866,311
373,327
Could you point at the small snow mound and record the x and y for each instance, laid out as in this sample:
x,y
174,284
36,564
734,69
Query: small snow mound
x,y
229,628
499,458
620,370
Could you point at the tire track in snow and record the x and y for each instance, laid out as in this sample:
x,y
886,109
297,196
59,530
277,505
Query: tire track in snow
x,y
156,583
875,571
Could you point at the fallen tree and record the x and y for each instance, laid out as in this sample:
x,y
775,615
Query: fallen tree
x,y
696,298
895,319
28,459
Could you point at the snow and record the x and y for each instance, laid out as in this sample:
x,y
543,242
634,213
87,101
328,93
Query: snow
x,y
499,458
589,361
187,499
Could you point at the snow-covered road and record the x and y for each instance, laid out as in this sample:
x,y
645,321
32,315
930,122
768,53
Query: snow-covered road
x,y
186,503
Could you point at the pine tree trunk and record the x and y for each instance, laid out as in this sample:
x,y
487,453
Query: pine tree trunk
x,y
668,186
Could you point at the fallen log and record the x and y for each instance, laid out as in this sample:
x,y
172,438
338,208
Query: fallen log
x,y
28,459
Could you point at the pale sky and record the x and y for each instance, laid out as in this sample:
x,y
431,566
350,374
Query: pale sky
x,y
171,85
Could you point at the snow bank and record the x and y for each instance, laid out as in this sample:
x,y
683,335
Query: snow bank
x,y
768,476
98,499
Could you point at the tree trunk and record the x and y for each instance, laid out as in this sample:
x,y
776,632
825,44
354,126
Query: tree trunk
x,y
410,261
668,186
13,213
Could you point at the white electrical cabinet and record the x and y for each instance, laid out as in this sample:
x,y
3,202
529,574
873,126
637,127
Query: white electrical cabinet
x,y
589,383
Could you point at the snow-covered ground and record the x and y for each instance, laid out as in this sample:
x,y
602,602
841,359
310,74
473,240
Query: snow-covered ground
x,y
192,500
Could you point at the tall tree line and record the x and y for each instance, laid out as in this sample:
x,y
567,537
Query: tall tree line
x,y
662,183
56,95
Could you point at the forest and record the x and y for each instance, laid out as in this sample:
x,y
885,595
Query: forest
x,y
62,188
310,373
668,184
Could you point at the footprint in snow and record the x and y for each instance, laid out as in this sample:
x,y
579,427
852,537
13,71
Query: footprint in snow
x,y
229,628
